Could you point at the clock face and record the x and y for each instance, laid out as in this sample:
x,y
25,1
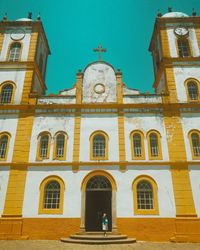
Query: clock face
x,y
17,34
181,31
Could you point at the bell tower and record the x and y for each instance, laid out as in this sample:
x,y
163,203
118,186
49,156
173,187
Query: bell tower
x,y
175,48
24,52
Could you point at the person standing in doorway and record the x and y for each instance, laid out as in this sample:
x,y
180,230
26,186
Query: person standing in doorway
x,y
104,223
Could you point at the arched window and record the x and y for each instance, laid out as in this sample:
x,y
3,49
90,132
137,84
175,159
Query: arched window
x,y
60,146
154,145
51,195
195,144
145,195
4,141
99,146
43,146
137,139
6,93
183,47
14,53
192,91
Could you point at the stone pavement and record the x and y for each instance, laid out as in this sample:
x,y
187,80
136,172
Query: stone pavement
x,y
57,245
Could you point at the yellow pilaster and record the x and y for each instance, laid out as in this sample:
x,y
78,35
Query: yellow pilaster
x,y
76,148
171,86
1,38
119,87
27,86
79,81
179,169
33,45
17,178
197,30
164,43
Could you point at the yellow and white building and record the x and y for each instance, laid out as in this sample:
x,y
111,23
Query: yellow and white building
x,y
100,146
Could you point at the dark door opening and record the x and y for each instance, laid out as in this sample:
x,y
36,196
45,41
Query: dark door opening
x,y
98,201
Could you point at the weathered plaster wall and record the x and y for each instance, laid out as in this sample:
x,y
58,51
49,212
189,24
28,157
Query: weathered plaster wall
x,y
173,42
8,123
99,73
181,74
18,78
25,43
189,122
144,123
52,124
4,175
94,122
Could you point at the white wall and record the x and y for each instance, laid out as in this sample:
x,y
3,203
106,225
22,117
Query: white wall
x,y
8,123
105,122
124,194
173,42
189,122
161,175
17,76
25,43
144,123
194,171
4,175
181,74
99,73
52,124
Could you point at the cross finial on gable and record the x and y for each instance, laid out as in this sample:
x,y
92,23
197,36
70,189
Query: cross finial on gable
x,y
100,49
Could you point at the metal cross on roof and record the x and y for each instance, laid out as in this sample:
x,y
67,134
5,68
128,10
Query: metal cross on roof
x,y
100,50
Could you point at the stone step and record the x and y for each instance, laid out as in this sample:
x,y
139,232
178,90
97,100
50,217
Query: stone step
x,y
98,237
99,242
97,233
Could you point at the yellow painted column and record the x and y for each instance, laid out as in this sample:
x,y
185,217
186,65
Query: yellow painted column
x,y
79,82
197,30
1,38
121,136
17,178
171,86
164,42
76,148
179,168
28,81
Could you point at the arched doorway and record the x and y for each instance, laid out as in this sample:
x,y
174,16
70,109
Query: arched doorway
x,y
98,201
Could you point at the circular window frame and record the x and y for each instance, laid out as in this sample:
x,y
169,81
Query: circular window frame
x,y
99,91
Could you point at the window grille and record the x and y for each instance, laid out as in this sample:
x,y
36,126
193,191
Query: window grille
x,y
154,144
6,93
196,144
3,146
52,195
137,145
183,47
192,91
144,195
98,183
60,142
99,146
15,52
44,143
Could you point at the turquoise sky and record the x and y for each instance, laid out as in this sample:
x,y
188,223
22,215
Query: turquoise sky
x,y
75,27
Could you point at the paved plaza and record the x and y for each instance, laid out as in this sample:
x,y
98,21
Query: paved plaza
x,y
57,245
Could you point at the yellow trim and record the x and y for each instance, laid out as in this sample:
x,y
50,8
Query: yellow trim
x,y
8,142
17,178
198,89
96,173
44,133
13,92
197,31
33,44
9,48
95,133
76,146
119,87
171,85
142,157
79,83
191,145
159,157
46,181
1,37
164,42
55,157
121,138
27,86
155,210
101,91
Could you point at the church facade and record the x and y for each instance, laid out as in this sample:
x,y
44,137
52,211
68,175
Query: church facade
x,y
100,147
